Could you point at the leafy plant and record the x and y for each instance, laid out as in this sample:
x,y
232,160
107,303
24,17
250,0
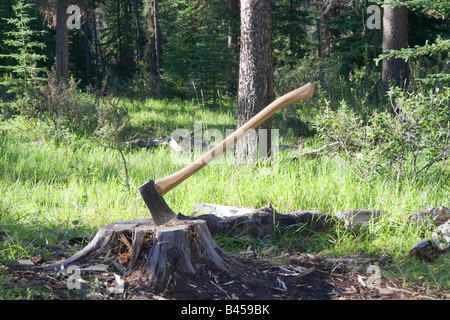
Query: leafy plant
x,y
417,137
112,122
61,106
345,127
406,144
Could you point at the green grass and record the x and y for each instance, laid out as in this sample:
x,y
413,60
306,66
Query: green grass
x,y
49,193
165,116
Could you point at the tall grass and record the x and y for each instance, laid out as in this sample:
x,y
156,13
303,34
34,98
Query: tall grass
x,y
49,193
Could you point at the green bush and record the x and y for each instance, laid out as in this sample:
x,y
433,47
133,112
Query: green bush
x,y
405,142
417,136
62,106
66,110
345,127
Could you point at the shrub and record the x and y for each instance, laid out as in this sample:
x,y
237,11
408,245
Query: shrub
x,y
417,136
62,106
345,127
112,126
404,142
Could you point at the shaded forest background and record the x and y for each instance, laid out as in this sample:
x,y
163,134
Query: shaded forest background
x,y
190,49
369,61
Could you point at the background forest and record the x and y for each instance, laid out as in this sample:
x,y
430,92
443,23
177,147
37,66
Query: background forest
x,y
192,47
72,96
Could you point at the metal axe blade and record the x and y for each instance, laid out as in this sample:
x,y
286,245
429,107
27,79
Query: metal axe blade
x,y
161,213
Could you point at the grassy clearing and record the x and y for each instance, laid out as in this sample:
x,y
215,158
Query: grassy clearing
x,y
50,193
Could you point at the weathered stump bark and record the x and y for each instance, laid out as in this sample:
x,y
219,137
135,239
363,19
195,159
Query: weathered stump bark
x,y
139,247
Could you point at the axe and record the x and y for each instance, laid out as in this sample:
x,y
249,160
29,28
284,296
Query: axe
x,y
152,191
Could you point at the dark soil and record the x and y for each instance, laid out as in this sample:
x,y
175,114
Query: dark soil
x,y
291,277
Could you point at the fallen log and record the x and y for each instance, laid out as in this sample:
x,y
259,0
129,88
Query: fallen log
x,y
315,152
149,143
261,222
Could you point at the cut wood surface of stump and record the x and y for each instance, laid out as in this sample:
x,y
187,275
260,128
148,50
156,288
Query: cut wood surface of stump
x,y
140,248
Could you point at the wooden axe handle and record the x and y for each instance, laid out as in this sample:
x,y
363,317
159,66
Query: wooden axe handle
x,y
166,184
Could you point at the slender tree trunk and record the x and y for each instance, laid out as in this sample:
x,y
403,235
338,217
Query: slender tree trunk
x,y
375,54
320,46
100,61
395,71
119,39
233,24
319,38
150,47
62,39
157,48
444,71
86,43
256,83
233,40
138,32
291,40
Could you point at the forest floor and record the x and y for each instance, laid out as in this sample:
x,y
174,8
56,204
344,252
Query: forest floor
x,y
296,276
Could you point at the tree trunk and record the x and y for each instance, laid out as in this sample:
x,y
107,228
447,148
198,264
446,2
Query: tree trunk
x,y
256,83
119,56
149,51
99,60
139,43
157,49
319,38
62,39
233,25
86,43
395,37
320,48
233,40
259,223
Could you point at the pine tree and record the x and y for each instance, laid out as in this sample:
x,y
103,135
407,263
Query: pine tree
x,y
25,71
395,37
256,75
432,57
120,38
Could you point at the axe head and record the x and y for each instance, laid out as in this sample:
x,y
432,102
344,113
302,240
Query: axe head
x,y
160,211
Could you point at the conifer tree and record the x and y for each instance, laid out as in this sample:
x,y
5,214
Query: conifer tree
x,y
256,75
25,71
437,50
395,37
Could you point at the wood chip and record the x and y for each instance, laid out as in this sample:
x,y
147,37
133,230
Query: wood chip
x,y
26,262
282,285
350,290
97,267
361,280
120,285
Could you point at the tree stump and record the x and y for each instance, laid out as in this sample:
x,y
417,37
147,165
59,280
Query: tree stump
x,y
156,256
140,248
